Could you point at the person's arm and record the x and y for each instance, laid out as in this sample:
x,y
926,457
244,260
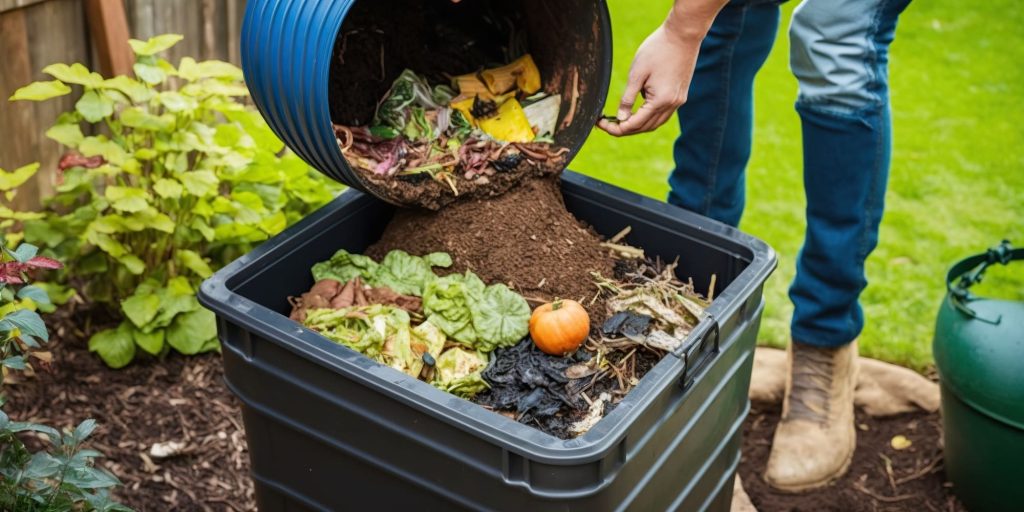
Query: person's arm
x,y
663,68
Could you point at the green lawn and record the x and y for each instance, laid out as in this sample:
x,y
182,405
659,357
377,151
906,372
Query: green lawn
x,y
957,182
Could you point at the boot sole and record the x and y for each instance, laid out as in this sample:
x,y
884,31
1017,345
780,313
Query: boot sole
x,y
796,489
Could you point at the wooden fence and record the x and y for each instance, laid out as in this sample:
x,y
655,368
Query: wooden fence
x,y
35,33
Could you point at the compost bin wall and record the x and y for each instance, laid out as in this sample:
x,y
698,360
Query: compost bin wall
x,y
331,429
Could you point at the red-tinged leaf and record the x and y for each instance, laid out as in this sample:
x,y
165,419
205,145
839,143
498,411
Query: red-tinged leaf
x,y
43,262
11,279
73,159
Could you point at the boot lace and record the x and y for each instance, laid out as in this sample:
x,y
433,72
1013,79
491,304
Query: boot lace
x,y
812,380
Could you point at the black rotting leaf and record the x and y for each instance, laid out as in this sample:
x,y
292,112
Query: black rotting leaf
x,y
507,163
483,109
627,323
531,383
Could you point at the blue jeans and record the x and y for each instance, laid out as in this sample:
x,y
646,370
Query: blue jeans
x,y
839,55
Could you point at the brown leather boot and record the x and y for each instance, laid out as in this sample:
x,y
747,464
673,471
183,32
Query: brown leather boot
x,y
815,439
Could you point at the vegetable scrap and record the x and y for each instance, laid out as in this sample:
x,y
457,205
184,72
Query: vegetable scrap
x,y
400,313
479,125
550,368
649,306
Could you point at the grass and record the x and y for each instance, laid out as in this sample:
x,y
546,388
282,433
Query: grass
x,y
957,180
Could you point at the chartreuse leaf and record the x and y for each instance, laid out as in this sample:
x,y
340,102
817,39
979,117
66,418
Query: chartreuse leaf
x,y
190,332
151,342
115,346
40,91
94,106
133,263
69,134
74,74
141,308
127,199
149,73
14,179
155,44
191,70
194,262
136,91
200,183
168,188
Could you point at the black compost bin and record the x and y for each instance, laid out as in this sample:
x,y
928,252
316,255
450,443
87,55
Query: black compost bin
x,y
329,429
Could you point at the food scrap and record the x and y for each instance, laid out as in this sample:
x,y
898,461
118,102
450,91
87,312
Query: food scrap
x,y
478,125
550,368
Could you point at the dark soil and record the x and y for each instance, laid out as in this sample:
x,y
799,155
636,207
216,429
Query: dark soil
x,y
180,399
917,481
524,238
432,194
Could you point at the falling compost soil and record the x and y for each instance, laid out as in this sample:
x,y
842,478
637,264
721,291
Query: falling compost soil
x,y
180,399
422,191
524,238
913,480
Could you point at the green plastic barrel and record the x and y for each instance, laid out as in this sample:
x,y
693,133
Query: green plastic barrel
x,y
979,352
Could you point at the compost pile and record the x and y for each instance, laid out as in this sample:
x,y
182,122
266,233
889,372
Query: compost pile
x,y
478,134
446,297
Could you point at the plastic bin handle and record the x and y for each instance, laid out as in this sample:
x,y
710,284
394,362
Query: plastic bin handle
x,y
970,271
700,350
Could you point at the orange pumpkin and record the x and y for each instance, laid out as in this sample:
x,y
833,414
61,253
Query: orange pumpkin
x,y
560,327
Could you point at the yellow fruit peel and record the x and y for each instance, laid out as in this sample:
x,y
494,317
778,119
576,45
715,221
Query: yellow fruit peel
x,y
509,124
521,73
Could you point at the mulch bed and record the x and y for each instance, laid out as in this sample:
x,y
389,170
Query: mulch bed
x,y
180,399
915,479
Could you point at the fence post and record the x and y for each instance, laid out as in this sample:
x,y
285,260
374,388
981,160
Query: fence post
x,y
108,26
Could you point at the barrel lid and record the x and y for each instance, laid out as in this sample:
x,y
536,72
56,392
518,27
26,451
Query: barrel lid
x,y
979,342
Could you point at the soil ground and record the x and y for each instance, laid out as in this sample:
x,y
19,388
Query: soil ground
x,y
181,399
913,481
185,399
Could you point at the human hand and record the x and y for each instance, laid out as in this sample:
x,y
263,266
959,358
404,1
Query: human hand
x,y
661,72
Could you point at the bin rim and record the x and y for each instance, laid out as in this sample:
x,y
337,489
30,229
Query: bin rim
x,y
217,294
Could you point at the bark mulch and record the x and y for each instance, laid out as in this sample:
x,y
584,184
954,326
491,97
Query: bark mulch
x,y
880,478
181,400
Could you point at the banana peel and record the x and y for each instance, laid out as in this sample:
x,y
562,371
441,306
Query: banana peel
x,y
510,124
521,73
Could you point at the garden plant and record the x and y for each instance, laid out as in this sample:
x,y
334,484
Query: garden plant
x,y
63,477
169,176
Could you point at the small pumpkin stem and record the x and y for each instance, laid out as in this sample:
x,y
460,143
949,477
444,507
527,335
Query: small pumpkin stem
x,y
556,305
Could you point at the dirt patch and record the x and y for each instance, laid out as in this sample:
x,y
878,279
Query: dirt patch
x,y
524,238
917,481
180,399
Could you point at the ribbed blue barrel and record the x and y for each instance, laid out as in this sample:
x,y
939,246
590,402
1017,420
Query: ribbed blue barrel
x,y
288,46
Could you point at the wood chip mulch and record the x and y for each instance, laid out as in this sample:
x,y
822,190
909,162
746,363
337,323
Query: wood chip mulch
x,y
179,400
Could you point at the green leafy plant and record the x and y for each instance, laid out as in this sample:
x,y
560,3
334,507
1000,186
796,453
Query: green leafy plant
x,y
170,176
63,477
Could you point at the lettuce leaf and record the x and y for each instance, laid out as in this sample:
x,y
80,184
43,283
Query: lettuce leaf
x,y
399,271
366,329
459,372
345,266
446,302
408,274
478,316
501,317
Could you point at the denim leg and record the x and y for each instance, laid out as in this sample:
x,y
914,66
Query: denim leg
x,y
840,58
716,123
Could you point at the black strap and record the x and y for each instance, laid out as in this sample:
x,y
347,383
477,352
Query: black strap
x,y
970,271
